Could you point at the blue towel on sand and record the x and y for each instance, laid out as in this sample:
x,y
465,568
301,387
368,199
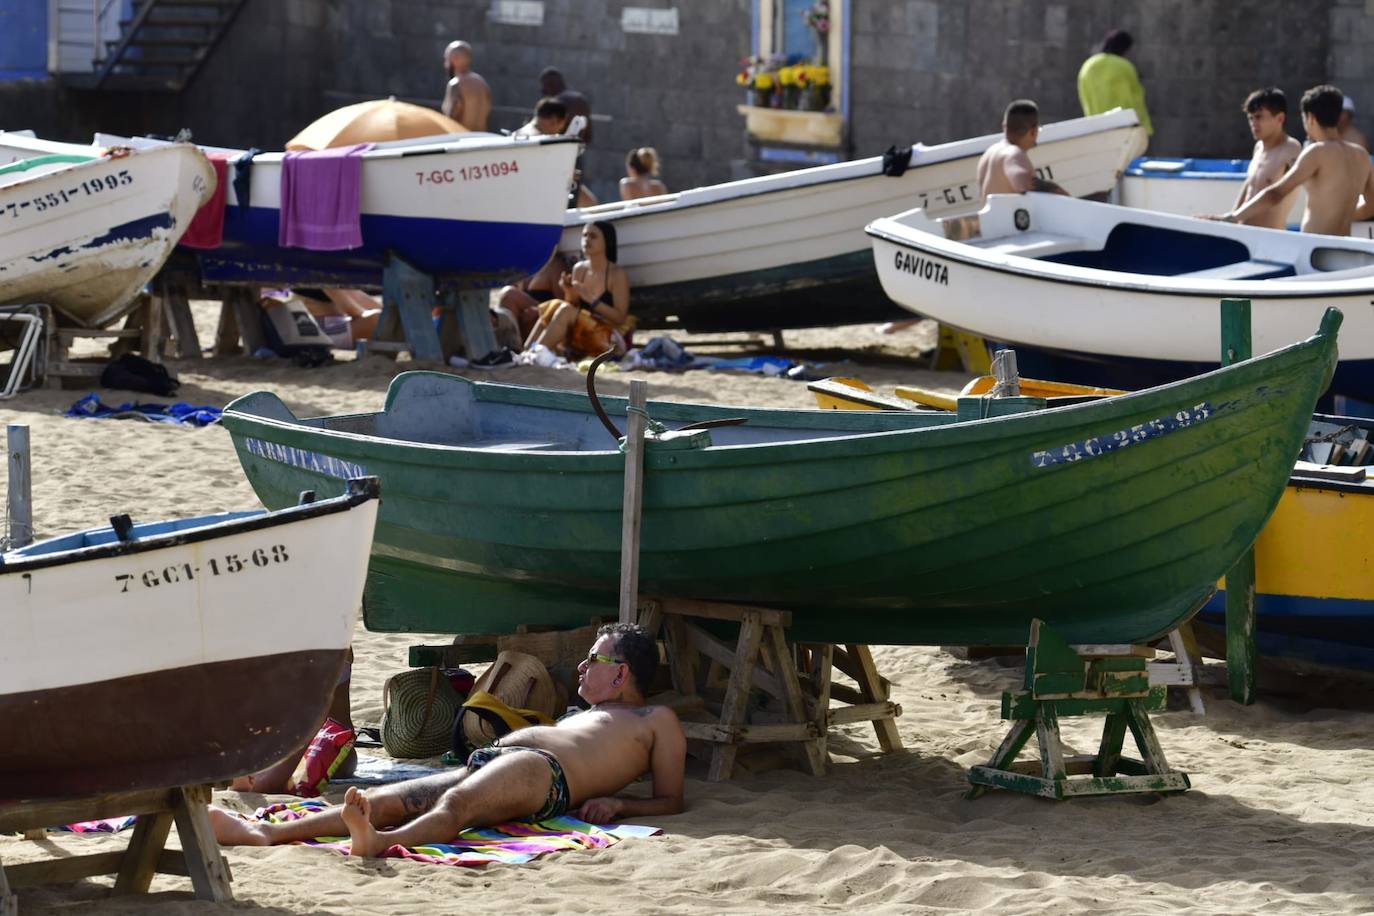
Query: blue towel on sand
x,y
181,413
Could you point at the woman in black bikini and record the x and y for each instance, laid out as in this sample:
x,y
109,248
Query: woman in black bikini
x,y
594,313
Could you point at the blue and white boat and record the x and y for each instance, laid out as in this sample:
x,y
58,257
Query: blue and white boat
x,y
1102,295
470,209
1189,186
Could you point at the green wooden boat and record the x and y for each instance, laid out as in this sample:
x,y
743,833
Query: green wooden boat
x,y
1110,520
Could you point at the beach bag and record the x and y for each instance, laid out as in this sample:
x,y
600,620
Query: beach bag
x,y
132,372
291,331
516,691
326,753
418,707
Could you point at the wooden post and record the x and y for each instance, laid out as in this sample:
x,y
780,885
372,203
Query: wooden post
x,y
633,500
1004,369
408,295
1240,581
19,515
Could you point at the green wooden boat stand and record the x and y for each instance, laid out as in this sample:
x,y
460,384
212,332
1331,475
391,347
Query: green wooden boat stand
x,y
1061,681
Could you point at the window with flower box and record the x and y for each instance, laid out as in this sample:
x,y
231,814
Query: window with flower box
x,y
795,80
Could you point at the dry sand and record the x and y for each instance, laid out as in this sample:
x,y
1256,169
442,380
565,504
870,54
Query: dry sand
x,y
1279,819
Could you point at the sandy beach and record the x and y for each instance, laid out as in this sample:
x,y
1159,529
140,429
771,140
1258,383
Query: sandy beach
x,y
1280,819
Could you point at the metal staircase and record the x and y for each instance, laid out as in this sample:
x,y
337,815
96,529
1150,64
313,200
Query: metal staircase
x,y
162,44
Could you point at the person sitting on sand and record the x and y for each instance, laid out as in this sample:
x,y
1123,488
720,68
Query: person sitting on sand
x,y
595,308
533,773
524,297
641,175
1334,172
342,312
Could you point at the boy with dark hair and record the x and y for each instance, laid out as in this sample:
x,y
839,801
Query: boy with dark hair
x,y
1334,173
1005,167
532,773
1266,111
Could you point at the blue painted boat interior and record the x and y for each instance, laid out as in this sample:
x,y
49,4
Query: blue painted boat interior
x,y
1324,631
1188,168
1141,249
96,537
441,247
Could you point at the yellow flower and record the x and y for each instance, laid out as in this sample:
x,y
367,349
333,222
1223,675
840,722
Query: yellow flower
x,y
818,75
763,81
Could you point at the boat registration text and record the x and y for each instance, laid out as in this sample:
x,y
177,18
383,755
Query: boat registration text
x,y
469,173
184,572
1115,441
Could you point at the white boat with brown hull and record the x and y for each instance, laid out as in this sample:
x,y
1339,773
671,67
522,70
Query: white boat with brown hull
x,y
175,653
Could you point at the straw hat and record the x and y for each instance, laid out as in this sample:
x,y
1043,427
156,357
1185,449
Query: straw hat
x,y
521,682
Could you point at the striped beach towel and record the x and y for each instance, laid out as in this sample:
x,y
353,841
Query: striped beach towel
x,y
512,843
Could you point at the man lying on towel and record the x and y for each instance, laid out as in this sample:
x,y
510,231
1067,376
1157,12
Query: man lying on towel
x,y
533,773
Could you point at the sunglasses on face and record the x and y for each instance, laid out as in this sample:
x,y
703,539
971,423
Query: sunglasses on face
x,y
594,657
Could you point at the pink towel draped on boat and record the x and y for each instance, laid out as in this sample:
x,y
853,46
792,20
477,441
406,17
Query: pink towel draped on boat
x,y
320,193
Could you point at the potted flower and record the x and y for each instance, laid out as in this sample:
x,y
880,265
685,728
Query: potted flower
x,y
793,82
760,77
816,82
817,19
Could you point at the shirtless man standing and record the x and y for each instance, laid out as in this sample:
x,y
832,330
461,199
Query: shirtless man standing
x,y
1006,168
531,774
1275,152
467,99
1334,173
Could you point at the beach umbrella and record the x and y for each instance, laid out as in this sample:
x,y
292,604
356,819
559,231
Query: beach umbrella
x,y
373,122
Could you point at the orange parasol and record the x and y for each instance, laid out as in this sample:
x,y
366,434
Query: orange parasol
x,y
373,122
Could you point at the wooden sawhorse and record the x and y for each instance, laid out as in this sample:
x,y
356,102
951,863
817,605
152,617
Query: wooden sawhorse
x,y
796,678
200,858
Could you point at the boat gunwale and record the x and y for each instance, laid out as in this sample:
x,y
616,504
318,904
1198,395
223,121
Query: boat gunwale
x,y
15,562
103,161
1248,372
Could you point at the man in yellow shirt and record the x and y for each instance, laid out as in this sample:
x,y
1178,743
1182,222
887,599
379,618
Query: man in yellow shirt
x,y
1108,80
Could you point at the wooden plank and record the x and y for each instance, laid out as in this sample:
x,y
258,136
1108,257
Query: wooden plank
x,y
737,694
1114,649
18,817
19,499
1047,735
723,655
471,309
150,342
744,734
786,670
690,607
63,870
1240,581
227,329
632,499
682,663
1151,751
249,315
1002,758
100,333
864,712
650,616
178,303
1117,785
408,296
1184,664
140,859
874,689
1109,750
9,904
209,872
822,661
1327,472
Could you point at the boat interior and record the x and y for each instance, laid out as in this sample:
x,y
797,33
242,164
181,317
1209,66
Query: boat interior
x,y
98,537
439,409
1170,248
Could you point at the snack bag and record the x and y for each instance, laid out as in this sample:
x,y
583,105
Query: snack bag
x,y
326,753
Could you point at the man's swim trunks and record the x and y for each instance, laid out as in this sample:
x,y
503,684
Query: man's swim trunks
x,y
558,789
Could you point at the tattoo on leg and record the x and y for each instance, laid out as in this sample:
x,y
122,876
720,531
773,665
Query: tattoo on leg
x,y
421,798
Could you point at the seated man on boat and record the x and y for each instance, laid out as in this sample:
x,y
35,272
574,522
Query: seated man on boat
x,y
1005,167
593,314
1334,172
1266,110
533,773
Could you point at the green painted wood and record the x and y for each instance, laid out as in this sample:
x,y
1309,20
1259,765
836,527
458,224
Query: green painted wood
x,y
1241,657
1020,706
1054,656
869,527
409,293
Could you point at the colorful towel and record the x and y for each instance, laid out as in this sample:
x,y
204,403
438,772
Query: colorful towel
x,y
321,199
511,843
106,825
207,227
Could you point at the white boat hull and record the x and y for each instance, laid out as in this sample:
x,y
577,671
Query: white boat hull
x,y
991,285
86,238
725,246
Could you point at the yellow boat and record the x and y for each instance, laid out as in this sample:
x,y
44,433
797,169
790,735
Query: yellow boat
x,y
852,394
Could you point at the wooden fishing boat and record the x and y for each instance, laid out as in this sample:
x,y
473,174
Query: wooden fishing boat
x,y
1101,295
84,233
159,654
1112,520
1189,186
470,209
786,251
1314,562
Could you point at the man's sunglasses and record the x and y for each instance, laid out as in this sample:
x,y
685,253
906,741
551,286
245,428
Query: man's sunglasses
x,y
594,657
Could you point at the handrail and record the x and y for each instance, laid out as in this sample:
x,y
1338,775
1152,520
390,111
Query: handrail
x,y
124,39
101,11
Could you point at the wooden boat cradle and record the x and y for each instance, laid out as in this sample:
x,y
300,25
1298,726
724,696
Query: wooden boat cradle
x,y
200,858
798,677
